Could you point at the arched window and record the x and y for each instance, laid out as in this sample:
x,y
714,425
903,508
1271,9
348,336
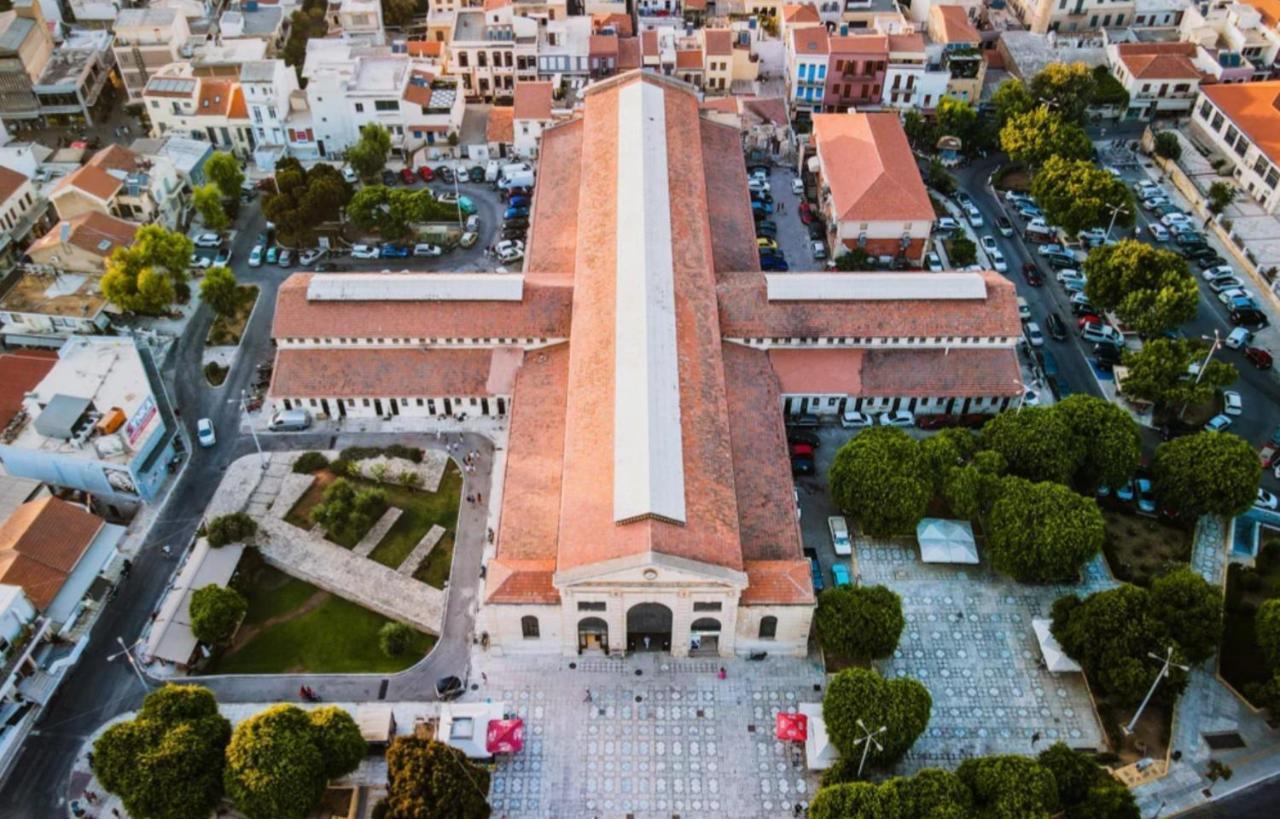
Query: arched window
x,y
529,625
768,627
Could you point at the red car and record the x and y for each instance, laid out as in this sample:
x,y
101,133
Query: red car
x,y
1087,318
407,176
799,450
1032,274
806,215
426,173
1258,357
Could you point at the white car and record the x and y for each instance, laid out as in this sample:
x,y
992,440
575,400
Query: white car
x,y
1232,403
349,174
1094,235
1034,337
208,240
512,255
425,249
1030,398
1223,283
1177,217
1144,185
1218,423
199,262
989,244
1014,197
255,256
1266,500
364,252
998,262
204,433
1153,202
311,256
1024,309
1216,272
1238,338
856,420
507,245
1066,275
758,185
935,262
1230,294
797,186
947,223
897,418
974,215
840,535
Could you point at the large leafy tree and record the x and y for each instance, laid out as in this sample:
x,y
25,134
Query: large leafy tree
x,y
1209,473
1042,532
1035,443
1150,289
1011,99
223,170
931,793
1105,440
902,705
218,290
880,478
1167,145
1076,194
207,200
1067,88
144,277
1221,194
1266,625
216,612
275,767
862,623
305,23
369,155
341,744
304,199
1161,373
970,490
1192,610
401,12
167,762
946,449
855,800
430,780
958,118
1037,135
1009,787
1073,772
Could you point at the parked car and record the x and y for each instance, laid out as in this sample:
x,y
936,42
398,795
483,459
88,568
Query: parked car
x,y
1027,210
818,250
391,250
514,254
1266,500
408,176
468,239
1034,337
897,418
1024,309
802,466
509,244
817,230
445,174
350,175
767,227
1218,423
840,535
426,174
1004,226
1058,261
947,223
518,202
426,249
774,264
388,177
1232,403
449,688
989,243
1258,357
1097,333
840,574
1146,496
255,256
208,240
205,434
805,212
766,242
1252,318
364,252
1032,274
285,258
856,420
1056,326
476,174
514,213
1230,295
1237,338
998,262
332,267
1159,233
973,215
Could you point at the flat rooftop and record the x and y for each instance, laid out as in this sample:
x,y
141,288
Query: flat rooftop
x,y
72,295
469,25
380,74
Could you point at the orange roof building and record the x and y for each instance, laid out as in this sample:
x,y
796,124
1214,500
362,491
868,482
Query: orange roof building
x,y
644,364
1242,123
82,243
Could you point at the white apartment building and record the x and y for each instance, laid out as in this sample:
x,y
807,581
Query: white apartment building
x,y
1162,78
268,86
482,51
205,108
360,21
21,207
1042,16
1241,123
912,81
1159,13
146,41
1243,43
564,48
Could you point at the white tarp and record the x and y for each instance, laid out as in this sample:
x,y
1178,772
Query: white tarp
x,y
171,639
946,541
819,753
1055,659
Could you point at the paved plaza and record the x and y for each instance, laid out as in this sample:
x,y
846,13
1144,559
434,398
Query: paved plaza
x,y
969,640
671,740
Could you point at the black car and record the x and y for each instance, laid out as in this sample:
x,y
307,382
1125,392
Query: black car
x,y
1253,319
1056,326
1082,308
476,174
761,196
510,192
817,230
1060,261
1032,274
516,233
1108,352
517,221
1208,260
444,173
803,436
389,178
766,224
765,231
802,466
449,688
332,267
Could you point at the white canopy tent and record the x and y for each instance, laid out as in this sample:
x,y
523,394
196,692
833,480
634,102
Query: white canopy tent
x,y
171,639
946,541
819,753
1055,659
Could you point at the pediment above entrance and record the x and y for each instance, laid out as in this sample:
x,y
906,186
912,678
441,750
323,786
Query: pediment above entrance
x,y
651,568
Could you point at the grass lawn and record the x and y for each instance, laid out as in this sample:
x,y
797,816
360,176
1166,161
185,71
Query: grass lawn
x,y
1239,659
300,514
1140,548
294,627
226,330
419,512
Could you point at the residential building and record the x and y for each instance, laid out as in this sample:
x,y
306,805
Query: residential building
x,y
1240,123
499,129
871,195
268,85
1041,16
912,81
99,423
1240,42
148,39
807,54
119,182
41,306
857,70
762,121
919,10
647,502
690,65
865,16
25,49
531,114
958,39
602,55
1162,78
260,22
208,108
482,51
21,631
360,22
1160,13
564,49
186,155
82,243
70,87
22,211
717,48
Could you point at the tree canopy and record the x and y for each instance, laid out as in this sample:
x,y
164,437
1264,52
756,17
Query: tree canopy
x,y
1035,443
341,744
1266,624
305,23
1036,136
218,290
1208,473
167,762
223,170
427,779
1167,145
143,277
1161,373
305,199
879,477
1076,194
207,200
1042,532
216,612
1067,88
391,211
1150,289
346,508
1011,99
1221,194
902,705
862,622
1191,608
1105,441
1009,787
369,155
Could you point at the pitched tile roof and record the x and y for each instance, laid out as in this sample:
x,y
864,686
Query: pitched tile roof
x,y
603,45
689,58
553,231
1159,61
860,44
500,127
621,23
116,158
906,43
533,100
777,582
931,373
215,97
955,27
91,179
719,41
802,13
10,181
393,373
870,168
811,372
728,211
20,372
41,543
810,42
629,56
424,48
1254,108
94,232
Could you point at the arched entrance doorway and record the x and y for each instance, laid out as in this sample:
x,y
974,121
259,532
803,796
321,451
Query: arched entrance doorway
x,y
652,621
593,635
704,637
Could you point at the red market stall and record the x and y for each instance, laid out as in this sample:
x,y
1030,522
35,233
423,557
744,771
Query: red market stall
x,y
505,736
792,727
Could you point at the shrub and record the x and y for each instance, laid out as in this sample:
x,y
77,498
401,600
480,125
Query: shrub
x,y
309,462
394,638
215,373
216,612
236,527
360,453
861,623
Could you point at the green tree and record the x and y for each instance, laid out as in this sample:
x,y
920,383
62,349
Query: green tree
x,y
1067,88
394,638
305,23
146,290
233,528
930,793
921,133
1150,289
958,118
902,705
1035,443
1266,624
167,762
1161,373
1042,532
369,155
207,201
1191,609
275,768
218,290
1109,90
1221,194
144,276
852,261
970,490
854,800
945,450
427,779
1106,799
1076,194
961,251
342,746
1105,440
1209,473
862,623
1009,787
879,478
1167,146
1011,99
1073,772
216,612
940,179
399,12
223,170
305,199
1039,134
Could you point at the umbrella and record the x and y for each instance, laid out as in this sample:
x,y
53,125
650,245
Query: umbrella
x,y
792,727
505,736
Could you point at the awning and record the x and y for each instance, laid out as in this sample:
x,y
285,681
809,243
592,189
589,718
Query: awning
x,y
505,736
1055,659
819,753
792,727
946,541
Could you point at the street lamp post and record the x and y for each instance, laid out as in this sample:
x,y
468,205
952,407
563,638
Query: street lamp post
x,y
1022,395
1167,659
1115,212
253,432
866,742
127,653
1204,365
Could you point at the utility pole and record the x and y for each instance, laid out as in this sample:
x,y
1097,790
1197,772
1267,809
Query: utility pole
x,y
1167,659
262,456
1115,211
866,741
127,652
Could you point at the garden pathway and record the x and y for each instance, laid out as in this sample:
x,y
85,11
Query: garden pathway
x,y
411,563
375,535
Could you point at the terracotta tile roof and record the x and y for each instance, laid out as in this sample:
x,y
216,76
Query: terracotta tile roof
x,y
500,127
116,158
939,373
860,44
803,13
521,582
725,105
20,372
728,210
533,100
906,43
814,372
810,42
629,56
695,5
94,232
238,109
544,313
215,97
1269,9
955,26
90,179
10,181
689,59
1254,108
603,45
768,109
393,373
746,313
777,582
418,93
553,232
621,23
649,43
719,41
424,48
491,5
1159,61
41,543
870,168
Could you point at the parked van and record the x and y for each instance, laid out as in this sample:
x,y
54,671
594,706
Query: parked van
x,y
840,535
520,179
290,421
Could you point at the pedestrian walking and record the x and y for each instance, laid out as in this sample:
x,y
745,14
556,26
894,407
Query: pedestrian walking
x,y
1035,738
722,673
484,678
479,497
587,698
168,552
